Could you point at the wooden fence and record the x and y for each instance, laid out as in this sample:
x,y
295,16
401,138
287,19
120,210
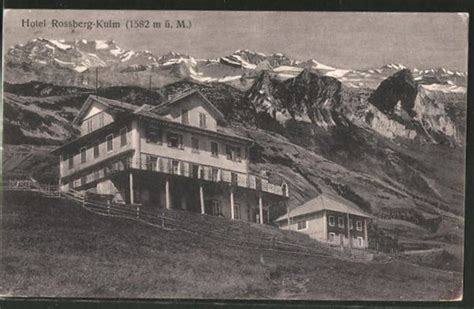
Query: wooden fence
x,y
31,185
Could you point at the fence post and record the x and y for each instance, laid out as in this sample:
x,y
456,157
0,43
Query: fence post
x,y
138,212
108,207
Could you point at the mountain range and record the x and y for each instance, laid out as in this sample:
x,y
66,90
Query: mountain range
x,y
75,63
390,139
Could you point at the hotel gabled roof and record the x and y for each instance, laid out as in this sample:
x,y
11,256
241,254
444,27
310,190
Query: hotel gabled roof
x,y
149,112
117,105
165,105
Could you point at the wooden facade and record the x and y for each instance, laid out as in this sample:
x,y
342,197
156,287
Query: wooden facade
x,y
179,154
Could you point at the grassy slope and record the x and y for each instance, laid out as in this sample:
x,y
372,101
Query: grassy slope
x,y
53,248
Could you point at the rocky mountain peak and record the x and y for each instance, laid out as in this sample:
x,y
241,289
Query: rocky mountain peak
x,y
399,87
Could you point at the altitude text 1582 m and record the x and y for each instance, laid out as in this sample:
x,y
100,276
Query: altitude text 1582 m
x,y
147,24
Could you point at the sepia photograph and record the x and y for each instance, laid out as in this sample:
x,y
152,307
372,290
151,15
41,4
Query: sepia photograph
x,y
233,155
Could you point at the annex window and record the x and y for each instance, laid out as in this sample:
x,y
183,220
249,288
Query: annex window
x,y
123,137
110,142
233,153
175,140
351,224
96,150
195,144
70,161
332,236
215,208
340,222
237,215
83,154
302,225
332,221
214,149
184,116
359,225
202,120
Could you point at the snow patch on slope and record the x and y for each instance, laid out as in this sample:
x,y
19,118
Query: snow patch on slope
x,y
60,45
445,88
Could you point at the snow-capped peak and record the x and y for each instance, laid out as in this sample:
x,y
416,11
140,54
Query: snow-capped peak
x,y
395,66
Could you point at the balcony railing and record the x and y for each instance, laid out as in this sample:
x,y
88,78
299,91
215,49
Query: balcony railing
x,y
209,173
185,169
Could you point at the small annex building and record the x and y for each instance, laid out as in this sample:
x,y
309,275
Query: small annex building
x,y
331,219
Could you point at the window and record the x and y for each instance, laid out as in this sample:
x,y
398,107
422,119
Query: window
x,y
214,149
123,137
214,174
96,175
151,162
233,153
89,126
359,225
175,140
71,161
101,120
96,150
195,144
302,225
195,171
332,236
284,189
351,224
175,167
83,180
340,222
153,136
237,212
184,116
234,178
215,208
202,120
83,155
110,142
360,241
332,222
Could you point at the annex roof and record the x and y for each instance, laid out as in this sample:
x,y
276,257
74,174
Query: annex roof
x,y
325,202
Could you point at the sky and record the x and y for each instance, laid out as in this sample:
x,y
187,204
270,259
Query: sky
x,y
341,39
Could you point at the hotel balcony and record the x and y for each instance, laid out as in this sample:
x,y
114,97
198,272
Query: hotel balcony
x,y
180,168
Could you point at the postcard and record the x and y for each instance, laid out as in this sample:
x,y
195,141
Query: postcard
x,y
262,155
